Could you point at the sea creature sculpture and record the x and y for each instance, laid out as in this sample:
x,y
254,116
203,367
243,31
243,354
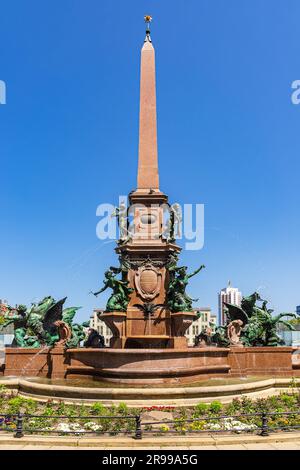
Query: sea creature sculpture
x,y
44,324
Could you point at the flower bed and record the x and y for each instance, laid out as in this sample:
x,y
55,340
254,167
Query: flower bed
x,y
241,415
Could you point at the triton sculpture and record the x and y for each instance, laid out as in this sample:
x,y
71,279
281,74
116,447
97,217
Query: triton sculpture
x,y
45,324
257,325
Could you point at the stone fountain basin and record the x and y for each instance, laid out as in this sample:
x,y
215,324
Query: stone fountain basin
x,y
148,365
43,389
151,366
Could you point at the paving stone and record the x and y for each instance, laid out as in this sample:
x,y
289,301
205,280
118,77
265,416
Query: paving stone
x,y
11,447
37,447
231,447
73,448
266,446
286,445
203,448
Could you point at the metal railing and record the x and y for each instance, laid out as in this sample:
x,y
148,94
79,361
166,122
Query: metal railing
x,y
18,424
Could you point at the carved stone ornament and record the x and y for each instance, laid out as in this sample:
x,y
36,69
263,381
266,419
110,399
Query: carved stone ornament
x,y
133,264
148,281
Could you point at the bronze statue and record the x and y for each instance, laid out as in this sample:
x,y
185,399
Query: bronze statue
x,y
251,324
178,299
119,299
44,324
122,218
18,316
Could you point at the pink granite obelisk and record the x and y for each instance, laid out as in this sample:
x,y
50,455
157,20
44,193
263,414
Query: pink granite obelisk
x,y
148,160
147,251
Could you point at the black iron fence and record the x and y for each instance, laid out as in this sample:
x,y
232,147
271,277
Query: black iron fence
x,y
21,424
265,422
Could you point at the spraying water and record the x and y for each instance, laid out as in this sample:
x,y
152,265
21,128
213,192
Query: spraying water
x,y
43,348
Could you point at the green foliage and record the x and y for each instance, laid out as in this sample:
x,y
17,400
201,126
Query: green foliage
x,y
288,400
123,409
201,409
49,411
16,404
117,422
235,406
99,409
61,408
3,390
215,406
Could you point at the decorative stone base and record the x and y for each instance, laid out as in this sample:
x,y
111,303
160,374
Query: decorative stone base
x,y
29,362
142,366
126,336
273,361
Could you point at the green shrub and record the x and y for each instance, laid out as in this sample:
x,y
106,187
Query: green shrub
x,y
61,408
3,390
30,406
201,409
15,404
288,400
123,409
215,406
99,409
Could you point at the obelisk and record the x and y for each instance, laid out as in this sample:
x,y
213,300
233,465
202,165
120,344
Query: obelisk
x,y
148,252
148,160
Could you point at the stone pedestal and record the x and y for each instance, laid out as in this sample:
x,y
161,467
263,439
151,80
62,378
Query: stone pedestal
x,y
181,321
116,322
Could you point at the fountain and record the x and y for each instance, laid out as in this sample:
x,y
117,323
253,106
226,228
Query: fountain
x,y
149,309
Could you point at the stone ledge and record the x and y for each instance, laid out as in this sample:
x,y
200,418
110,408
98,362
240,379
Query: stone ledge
x,y
158,442
138,397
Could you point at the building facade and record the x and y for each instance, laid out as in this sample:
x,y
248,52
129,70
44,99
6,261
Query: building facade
x,y
230,295
206,318
7,333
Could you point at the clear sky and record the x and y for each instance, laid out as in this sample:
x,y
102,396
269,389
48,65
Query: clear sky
x,y
228,137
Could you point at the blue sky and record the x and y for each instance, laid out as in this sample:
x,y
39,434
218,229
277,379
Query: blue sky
x,y
228,137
